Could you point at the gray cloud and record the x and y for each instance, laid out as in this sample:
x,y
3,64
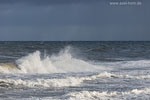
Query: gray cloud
x,y
73,20
46,2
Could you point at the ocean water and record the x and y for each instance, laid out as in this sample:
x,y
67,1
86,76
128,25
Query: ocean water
x,y
74,70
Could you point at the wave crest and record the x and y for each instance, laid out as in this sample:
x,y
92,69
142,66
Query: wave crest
x,y
61,63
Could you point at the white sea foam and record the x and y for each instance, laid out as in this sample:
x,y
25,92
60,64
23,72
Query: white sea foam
x,y
105,75
135,94
94,95
30,98
41,83
64,82
48,83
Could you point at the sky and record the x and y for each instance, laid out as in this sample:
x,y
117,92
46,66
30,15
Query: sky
x,y
74,20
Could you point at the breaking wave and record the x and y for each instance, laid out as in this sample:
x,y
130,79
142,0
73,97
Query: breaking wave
x,y
62,63
41,83
62,82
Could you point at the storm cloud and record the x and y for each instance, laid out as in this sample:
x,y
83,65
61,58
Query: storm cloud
x,y
73,20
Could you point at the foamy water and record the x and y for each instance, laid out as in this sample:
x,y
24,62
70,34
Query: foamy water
x,y
66,76
94,95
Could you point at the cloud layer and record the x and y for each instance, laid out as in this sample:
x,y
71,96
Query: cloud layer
x,y
73,20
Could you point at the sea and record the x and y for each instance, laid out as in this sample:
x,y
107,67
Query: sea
x,y
74,70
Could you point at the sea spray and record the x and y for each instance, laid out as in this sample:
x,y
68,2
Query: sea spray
x,y
63,62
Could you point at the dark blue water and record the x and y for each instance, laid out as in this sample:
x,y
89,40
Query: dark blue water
x,y
100,51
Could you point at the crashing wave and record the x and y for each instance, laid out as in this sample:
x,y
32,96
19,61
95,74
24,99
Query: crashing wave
x,y
62,63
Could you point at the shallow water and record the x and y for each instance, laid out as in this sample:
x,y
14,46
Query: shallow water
x,y
74,70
